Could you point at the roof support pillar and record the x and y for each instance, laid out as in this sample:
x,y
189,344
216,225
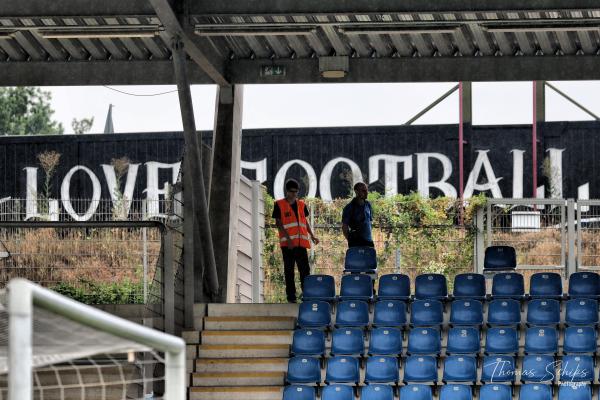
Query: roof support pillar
x,y
465,118
193,179
225,185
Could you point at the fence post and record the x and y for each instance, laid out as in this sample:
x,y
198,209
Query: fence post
x,y
489,223
571,265
256,242
168,282
479,240
580,209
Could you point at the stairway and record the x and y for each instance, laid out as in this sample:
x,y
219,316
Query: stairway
x,y
239,351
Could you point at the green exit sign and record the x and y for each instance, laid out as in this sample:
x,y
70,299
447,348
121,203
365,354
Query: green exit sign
x,y
272,70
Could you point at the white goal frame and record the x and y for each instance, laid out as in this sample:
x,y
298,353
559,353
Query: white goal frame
x,y
24,295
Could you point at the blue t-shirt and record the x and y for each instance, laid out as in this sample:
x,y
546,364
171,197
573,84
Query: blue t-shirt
x,y
358,217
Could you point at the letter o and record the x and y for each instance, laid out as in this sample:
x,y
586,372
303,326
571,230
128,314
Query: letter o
x,y
280,178
66,196
325,182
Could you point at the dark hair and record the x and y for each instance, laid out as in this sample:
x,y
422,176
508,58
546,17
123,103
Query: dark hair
x,y
292,184
359,184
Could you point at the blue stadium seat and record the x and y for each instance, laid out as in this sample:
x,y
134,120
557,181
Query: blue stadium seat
x,y
508,285
469,286
535,391
431,287
584,284
501,341
579,339
360,259
303,369
299,392
495,392
342,369
545,285
356,287
337,392
460,369
581,312
577,368
463,340
352,313
543,312
426,313
394,287
456,392
498,369
308,342
504,312
416,392
499,258
538,368
420,369
466,312
314,314
377,392
575,392
390,313
382,369
424,341
347,342
318,287
541,340
385,341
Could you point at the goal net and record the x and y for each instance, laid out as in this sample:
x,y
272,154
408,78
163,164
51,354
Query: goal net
x,y
54,348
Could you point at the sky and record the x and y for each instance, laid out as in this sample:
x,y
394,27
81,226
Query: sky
x,y
280,106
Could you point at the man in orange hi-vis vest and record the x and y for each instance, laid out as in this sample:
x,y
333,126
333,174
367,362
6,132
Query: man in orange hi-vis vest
x,y
295,236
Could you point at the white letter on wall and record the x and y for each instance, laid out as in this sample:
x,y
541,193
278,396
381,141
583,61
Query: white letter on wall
x,y
111,181
555,178
153,192
390,171
280,178
325,182
260,168
517,173
31,199
492,182
423,183
66,196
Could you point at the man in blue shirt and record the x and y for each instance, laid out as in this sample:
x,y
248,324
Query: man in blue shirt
x,y
357,217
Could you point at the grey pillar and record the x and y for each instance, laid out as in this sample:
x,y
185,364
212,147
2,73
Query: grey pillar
x,y
540,101
224,187
467,103
193,174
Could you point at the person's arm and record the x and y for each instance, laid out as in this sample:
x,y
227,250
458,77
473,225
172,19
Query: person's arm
x,y
281,229
345,222
314,239
345,230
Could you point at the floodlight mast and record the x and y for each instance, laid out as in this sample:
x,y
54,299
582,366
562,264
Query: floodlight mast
x,y
23,295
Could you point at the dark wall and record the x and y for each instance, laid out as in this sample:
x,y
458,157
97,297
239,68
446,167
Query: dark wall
x,y
317,146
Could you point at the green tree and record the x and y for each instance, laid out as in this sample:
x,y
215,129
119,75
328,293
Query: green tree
x,y
82,126
26,111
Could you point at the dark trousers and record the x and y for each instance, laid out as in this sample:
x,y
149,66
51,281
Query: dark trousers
x,y
296,256
359,242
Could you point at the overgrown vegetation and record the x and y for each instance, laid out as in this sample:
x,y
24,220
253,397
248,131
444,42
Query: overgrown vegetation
x,y
412,234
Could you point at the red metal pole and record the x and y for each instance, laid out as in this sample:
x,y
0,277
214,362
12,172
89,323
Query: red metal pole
x,y
534,141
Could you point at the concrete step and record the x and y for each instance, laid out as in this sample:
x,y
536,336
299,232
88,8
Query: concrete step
x,y
257,310
241,364
246,337
237,393
254,378
243,350
231,323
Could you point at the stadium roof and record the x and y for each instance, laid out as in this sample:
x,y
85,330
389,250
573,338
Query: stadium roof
x,y
84,42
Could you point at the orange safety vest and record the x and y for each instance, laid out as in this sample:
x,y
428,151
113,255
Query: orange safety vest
x,y
294,227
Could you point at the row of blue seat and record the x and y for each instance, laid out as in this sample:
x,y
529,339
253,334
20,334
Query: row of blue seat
x,y
427,341
531,391
423,313
456,369
466,286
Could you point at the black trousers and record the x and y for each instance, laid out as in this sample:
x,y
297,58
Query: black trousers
x,y
296,256
359,242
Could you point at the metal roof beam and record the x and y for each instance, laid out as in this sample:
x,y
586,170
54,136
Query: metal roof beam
x,y
351,7
75,73
70,8
427,69
209,64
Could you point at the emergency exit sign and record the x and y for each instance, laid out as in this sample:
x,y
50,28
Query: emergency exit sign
x,y
272,70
